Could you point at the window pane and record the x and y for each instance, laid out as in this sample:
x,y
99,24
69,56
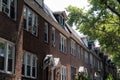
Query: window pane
x,y
30,21
10,52
46,32
1,63
73,71
33,71
2,49
24,20
28,65
34,61
28,59
10,57
10,65
2,55
12,9
23,69
28,70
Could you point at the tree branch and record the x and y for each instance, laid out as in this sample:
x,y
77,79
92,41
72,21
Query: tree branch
x,y
113,10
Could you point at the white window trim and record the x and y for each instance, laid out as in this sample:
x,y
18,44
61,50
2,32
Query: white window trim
x,y
53,36
63,71
63,41
6,56
46,31
33,18
15,6
25,57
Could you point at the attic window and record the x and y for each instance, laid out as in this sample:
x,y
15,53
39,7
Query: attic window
x,y
61,21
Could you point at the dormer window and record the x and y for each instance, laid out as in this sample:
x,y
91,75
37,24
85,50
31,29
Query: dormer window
x,y
8,7
61,17
61,21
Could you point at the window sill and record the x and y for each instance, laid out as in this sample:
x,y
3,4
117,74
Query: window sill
x,y
6,74
30,33
63,52
8,17
28,77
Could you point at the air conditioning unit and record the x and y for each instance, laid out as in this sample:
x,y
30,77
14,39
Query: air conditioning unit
x,y
5,9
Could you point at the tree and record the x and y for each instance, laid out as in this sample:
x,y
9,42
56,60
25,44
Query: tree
x,y
102,22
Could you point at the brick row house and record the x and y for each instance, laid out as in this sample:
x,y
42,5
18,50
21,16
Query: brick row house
x,y
38,44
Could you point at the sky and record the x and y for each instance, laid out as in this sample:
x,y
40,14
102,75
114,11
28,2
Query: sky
x,y
60,5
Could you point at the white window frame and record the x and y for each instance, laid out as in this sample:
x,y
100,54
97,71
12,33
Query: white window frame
x,y
63,72
63,44
34,25
53,37
46,32
8,6
7,43
73,47
26,53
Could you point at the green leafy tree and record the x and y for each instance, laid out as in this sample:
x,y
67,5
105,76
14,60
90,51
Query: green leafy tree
x,y
101,22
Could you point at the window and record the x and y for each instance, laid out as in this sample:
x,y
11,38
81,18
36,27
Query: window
x,y
29,65
73,48
73,72
61,21
63,44
46,32
9,7
53,36
78,51
63,73
82,53
86,56
6,56
30,21
91,60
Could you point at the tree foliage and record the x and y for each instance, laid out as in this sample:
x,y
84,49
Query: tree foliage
x,y
102,22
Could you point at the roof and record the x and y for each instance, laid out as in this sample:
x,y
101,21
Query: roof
x,y
49,12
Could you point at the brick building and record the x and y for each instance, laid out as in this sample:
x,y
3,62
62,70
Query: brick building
x,y
37,44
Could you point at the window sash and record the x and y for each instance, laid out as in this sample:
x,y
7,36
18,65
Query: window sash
x,y
30,21
6,61
63,44
29,69
46,32
73,49
53,36
9,8
63,73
